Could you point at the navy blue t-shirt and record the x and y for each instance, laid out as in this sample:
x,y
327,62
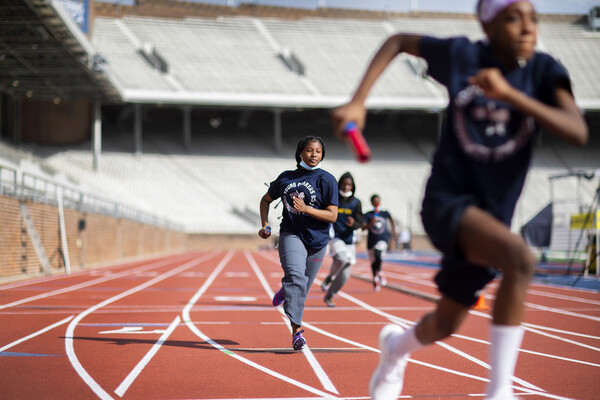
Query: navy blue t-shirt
x,y
485,146
379,230
348,207
318,189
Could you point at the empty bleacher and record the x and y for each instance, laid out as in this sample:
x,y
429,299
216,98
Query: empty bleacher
x,y
216,185
239,55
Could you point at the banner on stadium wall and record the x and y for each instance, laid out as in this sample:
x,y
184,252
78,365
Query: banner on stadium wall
x,y
78,10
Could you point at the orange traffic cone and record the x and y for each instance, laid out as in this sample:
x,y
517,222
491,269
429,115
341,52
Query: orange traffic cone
x,y
480,305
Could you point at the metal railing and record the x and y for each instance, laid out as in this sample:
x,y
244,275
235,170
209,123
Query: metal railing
x,y
27,186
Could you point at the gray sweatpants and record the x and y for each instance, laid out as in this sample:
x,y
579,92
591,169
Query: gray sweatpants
x,y
300,267
341,273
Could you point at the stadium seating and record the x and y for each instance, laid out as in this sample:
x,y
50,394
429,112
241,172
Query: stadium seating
x,y
216,186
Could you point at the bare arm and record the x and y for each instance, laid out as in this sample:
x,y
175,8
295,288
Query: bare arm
x,y
329,214
355,110
264,215
564,120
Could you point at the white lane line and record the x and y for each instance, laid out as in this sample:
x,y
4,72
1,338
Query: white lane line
x,y
424,364
83,284
400,321
132,330
563,312
559,358
563,297
188,321
37,281
144,361
46,329
405,323
312,360
530,351
529,328
235,298
69,336
546,328
539,332
543,394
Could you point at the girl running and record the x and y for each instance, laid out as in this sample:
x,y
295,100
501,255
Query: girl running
x,y
501,92
310,199
341,246
378,222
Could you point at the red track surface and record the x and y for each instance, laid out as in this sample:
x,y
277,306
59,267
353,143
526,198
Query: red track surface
x,y
200,326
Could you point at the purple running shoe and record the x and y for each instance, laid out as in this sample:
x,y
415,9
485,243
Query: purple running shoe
x,y
298,340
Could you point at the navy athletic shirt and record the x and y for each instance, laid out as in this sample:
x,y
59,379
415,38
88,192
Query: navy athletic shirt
x,y
379,230
318,189
348,207
485,146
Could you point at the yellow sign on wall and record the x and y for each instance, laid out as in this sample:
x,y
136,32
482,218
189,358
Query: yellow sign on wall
x,y
590,220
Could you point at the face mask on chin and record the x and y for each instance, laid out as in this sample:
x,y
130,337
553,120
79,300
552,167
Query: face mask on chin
x,y
305,165
345,194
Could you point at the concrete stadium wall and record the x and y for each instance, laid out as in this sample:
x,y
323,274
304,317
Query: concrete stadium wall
x,y
103,241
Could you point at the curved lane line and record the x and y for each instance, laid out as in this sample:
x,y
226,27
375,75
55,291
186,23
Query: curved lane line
x,y
188,321
312,360
71,328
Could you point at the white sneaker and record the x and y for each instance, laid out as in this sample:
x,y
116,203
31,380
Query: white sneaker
x,y
382,279
386,382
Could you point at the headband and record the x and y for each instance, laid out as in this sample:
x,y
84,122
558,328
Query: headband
x,y
489,9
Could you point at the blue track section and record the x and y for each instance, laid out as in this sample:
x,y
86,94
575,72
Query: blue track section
x,y
11,354
547,273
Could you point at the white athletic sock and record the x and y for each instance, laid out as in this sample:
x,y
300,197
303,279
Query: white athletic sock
x,y
406,343
506,341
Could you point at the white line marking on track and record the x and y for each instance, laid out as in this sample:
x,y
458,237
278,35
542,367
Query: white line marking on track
x,y
317,368
406,323
144,361
46,329
546,328
234,298
237,274
200,334
83,284
558,311
96,388
136,330
562,297
539,332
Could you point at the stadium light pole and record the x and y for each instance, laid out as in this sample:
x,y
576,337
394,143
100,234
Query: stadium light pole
x,y
97,135
187,128
137,128
277,129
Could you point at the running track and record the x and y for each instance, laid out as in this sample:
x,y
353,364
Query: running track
x,y
200,326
